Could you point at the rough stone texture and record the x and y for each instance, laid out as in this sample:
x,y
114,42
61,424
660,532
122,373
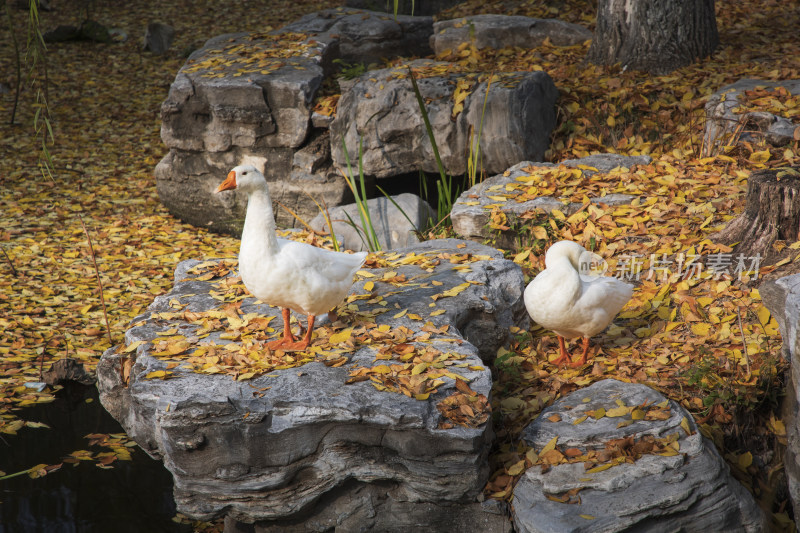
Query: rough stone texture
x,y
782,298
212,124
65,370
391,226
692,491
213,120
214,114
470,215
382,110
186,182
722,123
368,36
501,31
367,508
299,453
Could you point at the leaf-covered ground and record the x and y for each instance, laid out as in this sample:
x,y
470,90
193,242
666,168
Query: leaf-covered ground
x,y
705,341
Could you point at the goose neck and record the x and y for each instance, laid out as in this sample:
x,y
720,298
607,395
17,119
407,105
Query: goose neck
x,y
259,223
563,269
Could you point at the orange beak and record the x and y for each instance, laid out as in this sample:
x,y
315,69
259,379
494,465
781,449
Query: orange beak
x,y
229,183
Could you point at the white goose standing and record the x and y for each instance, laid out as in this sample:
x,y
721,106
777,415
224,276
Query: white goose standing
x,y
284,273
572,305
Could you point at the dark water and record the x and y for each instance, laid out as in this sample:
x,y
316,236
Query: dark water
x,y
135,496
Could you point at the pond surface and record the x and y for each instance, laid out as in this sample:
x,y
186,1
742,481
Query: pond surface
x,y
133,496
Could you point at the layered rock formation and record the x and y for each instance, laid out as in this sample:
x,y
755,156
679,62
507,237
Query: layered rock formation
x,y
248,98
660,473
295,445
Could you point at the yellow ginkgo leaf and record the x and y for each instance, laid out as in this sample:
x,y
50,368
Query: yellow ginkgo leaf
x,y
341,336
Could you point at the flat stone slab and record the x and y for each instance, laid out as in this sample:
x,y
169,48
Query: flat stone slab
x,y
727,120
380,112
371,408
518,190
649,469
366,36
501,31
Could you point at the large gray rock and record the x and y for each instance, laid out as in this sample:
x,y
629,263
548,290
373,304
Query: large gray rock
x,y
381,110
723,123
389,220
248,98
214,119
186,182
367,36
691,491
291,448
220,99
472,210
782,298
501,31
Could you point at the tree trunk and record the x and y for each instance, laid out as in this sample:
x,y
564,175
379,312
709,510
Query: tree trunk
x,y
771,213
656,36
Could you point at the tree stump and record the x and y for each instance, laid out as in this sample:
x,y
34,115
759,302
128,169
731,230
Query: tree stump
x,y
654,36
771,213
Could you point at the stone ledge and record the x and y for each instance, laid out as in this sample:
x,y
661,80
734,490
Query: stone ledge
x,y
687,488
274,446
473,208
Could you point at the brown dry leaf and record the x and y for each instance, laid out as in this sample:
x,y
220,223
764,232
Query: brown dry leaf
x,y
686,196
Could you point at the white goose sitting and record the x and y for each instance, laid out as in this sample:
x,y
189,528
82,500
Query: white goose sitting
x,y
284,273
570,304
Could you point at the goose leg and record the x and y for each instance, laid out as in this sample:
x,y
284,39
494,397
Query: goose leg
x,y
582,360
305,341
564,357
287,337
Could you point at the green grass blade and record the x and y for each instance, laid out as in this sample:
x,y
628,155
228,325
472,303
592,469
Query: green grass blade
x,y
369,236
427,122
402,212
360,231
364,207
474,155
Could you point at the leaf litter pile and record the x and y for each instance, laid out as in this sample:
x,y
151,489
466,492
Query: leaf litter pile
x,y
412,359
700,336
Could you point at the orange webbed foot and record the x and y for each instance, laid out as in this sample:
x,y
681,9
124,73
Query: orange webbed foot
x,y
295,346
563,358
582,360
